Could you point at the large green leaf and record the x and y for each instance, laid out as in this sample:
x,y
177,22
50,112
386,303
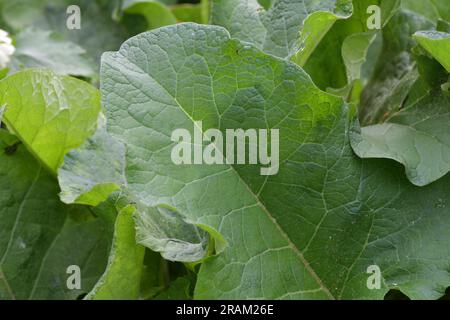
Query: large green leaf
x,y
312,230
286,28
50,114
40,237
437,44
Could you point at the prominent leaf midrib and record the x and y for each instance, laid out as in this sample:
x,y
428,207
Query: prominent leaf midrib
x,y
293,247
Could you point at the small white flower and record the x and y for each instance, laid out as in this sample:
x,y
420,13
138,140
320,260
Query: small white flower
x,y
6,49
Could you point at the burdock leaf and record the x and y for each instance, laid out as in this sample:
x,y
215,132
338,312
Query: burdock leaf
x,y
50,114
122,277
310,231
286,28
164,230
93,171
41,239
417,136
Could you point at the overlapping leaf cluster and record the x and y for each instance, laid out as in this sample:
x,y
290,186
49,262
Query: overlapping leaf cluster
x,y
86,176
